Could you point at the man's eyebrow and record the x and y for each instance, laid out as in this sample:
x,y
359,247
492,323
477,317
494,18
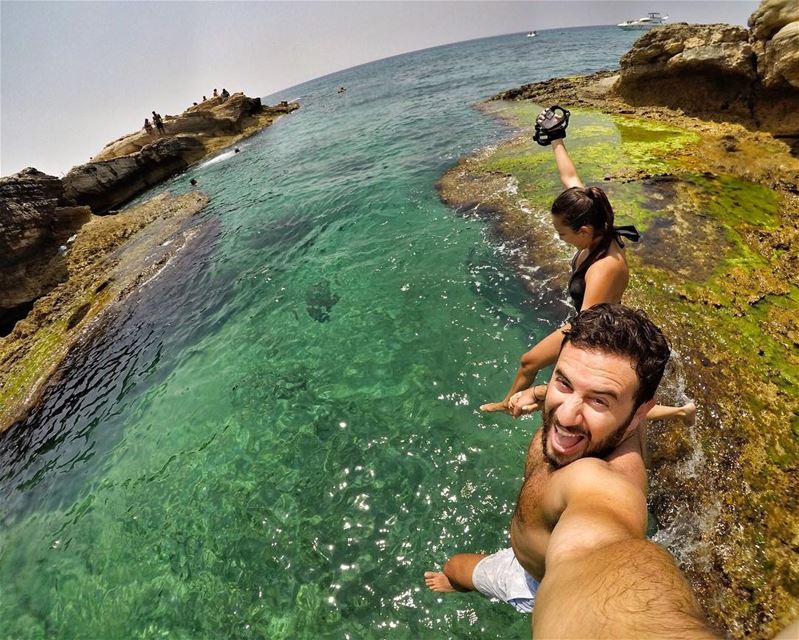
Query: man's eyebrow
x,y
605,392
597,392
559,372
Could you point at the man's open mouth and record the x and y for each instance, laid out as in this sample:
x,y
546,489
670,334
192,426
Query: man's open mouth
x,y
565,442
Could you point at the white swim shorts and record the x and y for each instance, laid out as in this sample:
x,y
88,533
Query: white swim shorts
x,y
501,576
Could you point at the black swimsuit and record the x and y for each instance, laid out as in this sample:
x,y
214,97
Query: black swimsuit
x,y
577,280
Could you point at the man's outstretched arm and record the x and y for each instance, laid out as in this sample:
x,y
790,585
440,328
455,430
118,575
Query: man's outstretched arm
x,y
603,578
627,589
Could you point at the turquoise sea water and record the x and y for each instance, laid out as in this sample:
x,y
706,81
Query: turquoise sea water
x,y
279,434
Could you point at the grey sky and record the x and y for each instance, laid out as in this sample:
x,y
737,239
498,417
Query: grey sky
x,y
76,75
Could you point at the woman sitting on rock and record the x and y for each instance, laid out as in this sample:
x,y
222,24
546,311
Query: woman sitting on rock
x,y
584,219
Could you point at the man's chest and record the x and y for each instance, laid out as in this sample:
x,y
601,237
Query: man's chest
x,y
533,508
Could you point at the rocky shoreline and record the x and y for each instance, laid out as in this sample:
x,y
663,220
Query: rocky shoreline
x,y
718,269
67,257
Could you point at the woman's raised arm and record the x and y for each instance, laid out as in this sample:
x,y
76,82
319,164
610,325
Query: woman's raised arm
x,y
566,168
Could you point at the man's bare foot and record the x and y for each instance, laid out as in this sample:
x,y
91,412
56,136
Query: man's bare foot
x,y
494,407
437,581
688,411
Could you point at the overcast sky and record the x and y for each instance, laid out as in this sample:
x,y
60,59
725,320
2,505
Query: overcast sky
x,y
76,75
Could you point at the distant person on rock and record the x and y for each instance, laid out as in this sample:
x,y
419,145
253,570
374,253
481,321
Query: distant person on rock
x,y
216,95
148,127
204,98
159,123
225,94
582,217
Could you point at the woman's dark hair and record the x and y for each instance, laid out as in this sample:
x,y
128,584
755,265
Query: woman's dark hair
x,y
578,207
620,330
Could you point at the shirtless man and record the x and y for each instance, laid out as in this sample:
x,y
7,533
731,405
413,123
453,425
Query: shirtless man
x,y
584,487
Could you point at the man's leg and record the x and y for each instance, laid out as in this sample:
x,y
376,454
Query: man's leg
x,y
457,574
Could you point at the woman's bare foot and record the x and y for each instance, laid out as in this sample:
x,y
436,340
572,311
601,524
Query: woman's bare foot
x,y
437,581
494,407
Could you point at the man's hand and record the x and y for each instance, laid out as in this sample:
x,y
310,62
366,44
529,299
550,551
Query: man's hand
x,y
524,402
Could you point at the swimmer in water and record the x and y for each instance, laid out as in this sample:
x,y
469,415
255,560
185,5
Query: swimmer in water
x,y
584,219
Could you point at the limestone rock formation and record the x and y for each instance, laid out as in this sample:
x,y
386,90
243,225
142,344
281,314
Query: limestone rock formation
x,y
33,228
108,183
771,16
214,117
775,28
722,71
133,163
39,213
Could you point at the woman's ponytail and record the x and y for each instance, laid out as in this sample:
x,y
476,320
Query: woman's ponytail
x,y
603,212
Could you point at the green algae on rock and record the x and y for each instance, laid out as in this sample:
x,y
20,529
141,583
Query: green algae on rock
x,y
109,256
717,269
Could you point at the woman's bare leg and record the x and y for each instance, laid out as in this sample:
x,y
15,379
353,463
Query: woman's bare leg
x,y
662,412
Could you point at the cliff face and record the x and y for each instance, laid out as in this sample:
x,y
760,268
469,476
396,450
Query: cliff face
x,y
133,163
722,72
39,213
33,225
103,185
214,117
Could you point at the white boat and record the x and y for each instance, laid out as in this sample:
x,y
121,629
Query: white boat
x,y
532,34
653,19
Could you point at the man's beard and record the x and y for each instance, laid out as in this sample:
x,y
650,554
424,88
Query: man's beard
x,y
601,449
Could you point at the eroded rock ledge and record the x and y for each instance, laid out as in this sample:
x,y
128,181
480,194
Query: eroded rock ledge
x,y
136,162
105,262
40,213
717,72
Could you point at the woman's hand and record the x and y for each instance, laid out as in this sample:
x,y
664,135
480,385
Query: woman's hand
x,y
524,402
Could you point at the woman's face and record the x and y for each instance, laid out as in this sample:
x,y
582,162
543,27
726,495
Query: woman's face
x,y
581,239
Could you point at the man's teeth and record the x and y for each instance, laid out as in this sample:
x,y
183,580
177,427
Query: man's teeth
x,y
565,435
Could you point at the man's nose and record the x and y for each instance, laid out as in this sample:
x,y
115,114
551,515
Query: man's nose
x,y
570,412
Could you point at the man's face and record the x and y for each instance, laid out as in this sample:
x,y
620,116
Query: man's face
x,y
589,405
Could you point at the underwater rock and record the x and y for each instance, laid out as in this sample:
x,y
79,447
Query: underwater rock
x,y
319,300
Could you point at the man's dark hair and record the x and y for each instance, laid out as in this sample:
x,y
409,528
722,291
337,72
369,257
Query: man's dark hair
x,y
620,330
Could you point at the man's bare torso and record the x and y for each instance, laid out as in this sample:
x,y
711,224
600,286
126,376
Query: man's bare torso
x,y
538,509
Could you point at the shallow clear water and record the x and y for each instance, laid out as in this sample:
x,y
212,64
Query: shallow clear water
x,y
280,434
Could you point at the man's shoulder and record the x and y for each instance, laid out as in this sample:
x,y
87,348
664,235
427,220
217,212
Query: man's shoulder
x,y
596,477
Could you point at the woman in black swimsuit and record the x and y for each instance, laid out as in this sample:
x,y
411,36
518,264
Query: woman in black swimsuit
x,y
584,219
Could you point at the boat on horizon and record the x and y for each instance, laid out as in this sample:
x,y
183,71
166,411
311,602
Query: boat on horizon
x,y
653,19
532,34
